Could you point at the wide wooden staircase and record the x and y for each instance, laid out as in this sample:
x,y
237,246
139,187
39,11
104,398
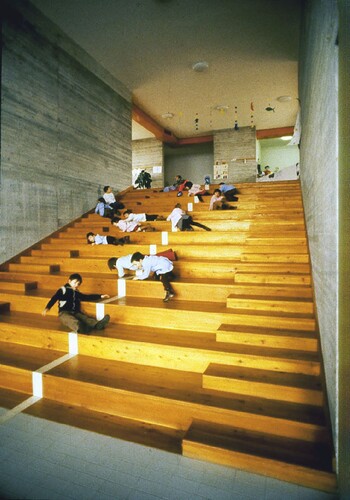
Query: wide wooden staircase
x,y
229,371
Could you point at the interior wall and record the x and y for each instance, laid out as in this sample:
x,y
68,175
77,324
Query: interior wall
x,y
319,175
146,155
193,162
344,246
277,156
237,148
65,132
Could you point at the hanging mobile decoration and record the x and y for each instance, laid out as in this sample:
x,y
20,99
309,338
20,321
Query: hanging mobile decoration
x,y
196,121
236,119
252,115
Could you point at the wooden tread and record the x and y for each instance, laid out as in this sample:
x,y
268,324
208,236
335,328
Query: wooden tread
x,y
267,336
166,397
151,435
176,349
17,362
281,386
290,460
262,303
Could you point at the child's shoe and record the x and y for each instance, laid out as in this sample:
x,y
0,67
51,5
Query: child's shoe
x,y
100,325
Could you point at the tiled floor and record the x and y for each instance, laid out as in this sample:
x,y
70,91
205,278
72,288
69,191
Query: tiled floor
x,y
44,460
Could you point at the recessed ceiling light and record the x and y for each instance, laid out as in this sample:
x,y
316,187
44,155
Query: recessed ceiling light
x,y
168,115
284,98
200,66
287,137
221,107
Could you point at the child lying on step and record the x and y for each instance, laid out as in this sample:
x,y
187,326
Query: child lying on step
x,y
96,239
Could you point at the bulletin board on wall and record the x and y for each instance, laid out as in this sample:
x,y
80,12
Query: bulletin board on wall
x,y
221,170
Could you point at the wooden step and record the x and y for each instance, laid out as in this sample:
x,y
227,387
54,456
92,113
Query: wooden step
x,y
268,337
218,289
272,249
290,460
162,347
54,252
271,290
47,268
185,267
172,398
149,312
272,277
261,303
180,237
4,306
92,282
268,384
283,213
277,241
134,431
17,362
260,257
34,330
17,284
10,399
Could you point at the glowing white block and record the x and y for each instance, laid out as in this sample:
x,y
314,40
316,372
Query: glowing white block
x,y
73,343
190,207
165,238
152,249
37,384
121,287
196,199
100,311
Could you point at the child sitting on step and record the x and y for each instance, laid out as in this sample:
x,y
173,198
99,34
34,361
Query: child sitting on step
x,y
111,200
218,202
69,312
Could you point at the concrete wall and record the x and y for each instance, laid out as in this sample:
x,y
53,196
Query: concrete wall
x,y
319,174
65,131
146,154
193,162
344,245
236,144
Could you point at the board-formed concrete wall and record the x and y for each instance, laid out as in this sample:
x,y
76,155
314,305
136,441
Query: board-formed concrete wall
x,y
65,133
237,148
146,154
319,173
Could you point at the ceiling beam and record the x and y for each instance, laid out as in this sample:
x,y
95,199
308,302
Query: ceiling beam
x,y
271,133
151,125
194,140
167,136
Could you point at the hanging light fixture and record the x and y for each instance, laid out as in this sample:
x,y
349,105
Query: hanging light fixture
x,y
168,115
200,66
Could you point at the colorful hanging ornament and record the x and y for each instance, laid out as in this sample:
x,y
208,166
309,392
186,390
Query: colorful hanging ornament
x,y
252,115
236,127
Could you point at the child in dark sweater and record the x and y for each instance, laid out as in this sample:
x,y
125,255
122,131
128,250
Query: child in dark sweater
x,y
69,312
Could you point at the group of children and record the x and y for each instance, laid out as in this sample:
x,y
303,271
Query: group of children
x,y
69,298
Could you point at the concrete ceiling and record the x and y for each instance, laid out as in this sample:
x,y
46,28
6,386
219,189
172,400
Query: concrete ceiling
x,y
251,47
